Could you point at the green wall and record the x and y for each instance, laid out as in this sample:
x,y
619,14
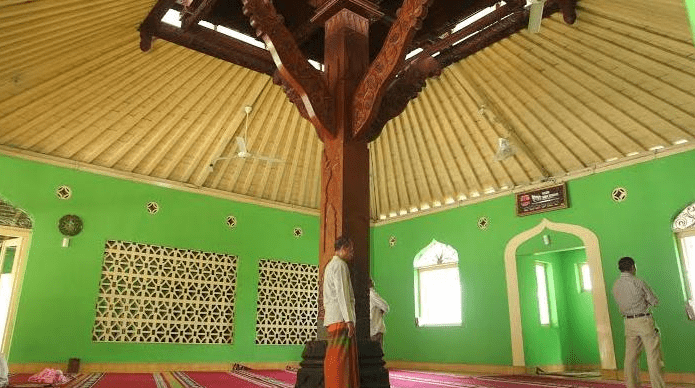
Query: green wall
x,y
690,8
571,337
640,226
56,307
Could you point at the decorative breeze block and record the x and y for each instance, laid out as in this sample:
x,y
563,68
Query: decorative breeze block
x,y
151,293
287,308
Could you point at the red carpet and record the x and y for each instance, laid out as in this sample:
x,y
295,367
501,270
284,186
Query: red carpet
x,y
286,379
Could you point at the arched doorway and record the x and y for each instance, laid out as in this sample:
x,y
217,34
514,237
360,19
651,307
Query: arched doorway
x,y
600,300
15,238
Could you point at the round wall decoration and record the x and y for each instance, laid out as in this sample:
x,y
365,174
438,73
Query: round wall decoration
x,y
70,225
152,207
619,194
231,221
483,223
297,232
64,192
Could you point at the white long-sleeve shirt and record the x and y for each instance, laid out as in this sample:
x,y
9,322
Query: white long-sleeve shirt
x,y
377,308
338,296
633,295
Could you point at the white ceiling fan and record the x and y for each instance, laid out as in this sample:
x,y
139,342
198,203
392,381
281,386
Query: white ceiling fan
x,y
535,15
242,152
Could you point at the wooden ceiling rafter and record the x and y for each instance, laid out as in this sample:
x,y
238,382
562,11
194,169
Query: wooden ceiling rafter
x,y
198,9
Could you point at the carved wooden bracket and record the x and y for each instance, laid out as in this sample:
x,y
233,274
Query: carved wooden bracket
x,y
296,72
498,31
220,46
403,89
368,95
569,10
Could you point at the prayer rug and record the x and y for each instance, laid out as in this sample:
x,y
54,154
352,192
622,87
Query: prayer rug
x,y
284,376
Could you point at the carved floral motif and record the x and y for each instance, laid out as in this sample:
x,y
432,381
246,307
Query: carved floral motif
x,y
685,220
368,95
296,72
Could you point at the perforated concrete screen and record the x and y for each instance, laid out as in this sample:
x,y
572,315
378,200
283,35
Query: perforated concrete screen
x,y
151,293
287,303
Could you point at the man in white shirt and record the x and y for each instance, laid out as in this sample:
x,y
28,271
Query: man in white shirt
x,y
634,298
377,308
340,367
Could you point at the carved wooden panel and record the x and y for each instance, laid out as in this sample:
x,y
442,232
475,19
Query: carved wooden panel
x,y
151,293
287,303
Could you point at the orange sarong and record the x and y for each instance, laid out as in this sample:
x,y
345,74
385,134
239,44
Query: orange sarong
x,y
340,367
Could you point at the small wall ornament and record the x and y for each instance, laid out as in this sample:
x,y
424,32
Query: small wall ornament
x,y
231,221
619,194
297,232
483,223
392,241
152,207
64,192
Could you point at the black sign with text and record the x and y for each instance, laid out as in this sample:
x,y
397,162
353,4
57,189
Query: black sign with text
x,y
542,200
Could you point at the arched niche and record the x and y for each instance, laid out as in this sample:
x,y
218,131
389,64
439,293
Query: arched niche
x,y
593,254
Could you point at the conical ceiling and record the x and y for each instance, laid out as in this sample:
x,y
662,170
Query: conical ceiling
x,y
75,88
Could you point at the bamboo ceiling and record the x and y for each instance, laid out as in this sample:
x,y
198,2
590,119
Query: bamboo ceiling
x,y
74,86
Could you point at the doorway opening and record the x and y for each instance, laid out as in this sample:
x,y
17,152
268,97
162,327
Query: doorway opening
x,y
525,267
557,312
15,237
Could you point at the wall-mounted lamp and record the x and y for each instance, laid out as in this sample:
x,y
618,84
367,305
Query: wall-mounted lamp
x,y
546,239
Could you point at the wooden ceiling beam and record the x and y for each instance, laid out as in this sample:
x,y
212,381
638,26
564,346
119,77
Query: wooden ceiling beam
x,y
500,24
152,21
220,46
194,14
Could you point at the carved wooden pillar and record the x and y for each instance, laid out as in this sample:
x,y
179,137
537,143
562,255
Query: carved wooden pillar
x,y
343,103
345,160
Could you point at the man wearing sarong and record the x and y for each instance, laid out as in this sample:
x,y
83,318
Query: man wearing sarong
x,y
340,367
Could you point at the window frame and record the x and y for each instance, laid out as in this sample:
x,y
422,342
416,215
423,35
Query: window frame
x,y
546,281
418,294
580,274
687,274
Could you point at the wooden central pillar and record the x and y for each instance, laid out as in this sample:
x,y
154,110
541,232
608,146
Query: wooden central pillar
x,y
346,104
345,187
345,160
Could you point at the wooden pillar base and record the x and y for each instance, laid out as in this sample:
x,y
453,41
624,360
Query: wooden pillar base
x,y
373,374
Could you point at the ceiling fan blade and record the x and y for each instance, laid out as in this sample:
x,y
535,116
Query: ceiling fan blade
x,y
267,159
241,144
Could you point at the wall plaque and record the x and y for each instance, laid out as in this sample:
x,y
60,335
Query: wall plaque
x,y
542,200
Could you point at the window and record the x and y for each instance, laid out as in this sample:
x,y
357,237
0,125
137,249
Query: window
x,y
585,277
687,245
684,227
542,290
437,286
